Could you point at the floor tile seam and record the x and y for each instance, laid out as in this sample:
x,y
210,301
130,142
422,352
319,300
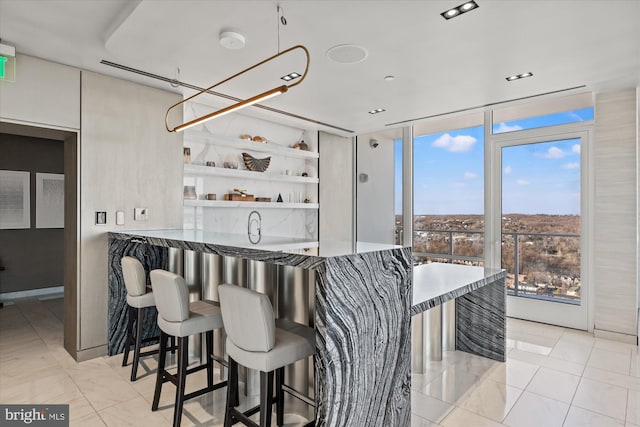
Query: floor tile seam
x,y
512,406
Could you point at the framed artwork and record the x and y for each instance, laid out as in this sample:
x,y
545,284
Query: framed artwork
x,y
15,200
49,200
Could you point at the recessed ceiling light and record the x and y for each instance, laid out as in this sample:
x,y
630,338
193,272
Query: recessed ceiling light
x,y
519,76
377,110
459,10
231,40
291,76
389,78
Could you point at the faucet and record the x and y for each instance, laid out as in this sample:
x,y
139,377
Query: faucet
x,y
254,227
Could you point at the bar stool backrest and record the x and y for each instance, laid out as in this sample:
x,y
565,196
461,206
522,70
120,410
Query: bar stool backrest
x,y
248,318
171,295
134,276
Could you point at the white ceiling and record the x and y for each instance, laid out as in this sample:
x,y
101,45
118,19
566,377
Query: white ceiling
x,y
439,66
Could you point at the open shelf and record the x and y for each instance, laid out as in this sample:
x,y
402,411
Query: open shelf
x,y
241,144
250,205
199,170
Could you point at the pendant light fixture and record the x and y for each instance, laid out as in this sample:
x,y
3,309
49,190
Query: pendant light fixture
x,y
249,101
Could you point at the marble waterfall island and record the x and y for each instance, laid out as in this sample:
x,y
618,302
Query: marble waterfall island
x,y
363,301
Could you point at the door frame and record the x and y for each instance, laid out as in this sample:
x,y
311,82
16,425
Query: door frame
x,y
566,315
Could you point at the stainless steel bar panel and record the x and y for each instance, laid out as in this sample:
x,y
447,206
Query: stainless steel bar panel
x,y
212,277
433,326
449,325
192,273
417,344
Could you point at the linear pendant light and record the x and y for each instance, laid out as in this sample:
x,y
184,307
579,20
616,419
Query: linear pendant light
x,y
242,104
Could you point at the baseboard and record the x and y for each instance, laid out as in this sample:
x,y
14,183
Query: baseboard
x,y
7,296
90,353
615,336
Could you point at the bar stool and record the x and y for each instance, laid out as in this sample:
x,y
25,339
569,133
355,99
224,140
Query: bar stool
x,y
179,318
256,340
137,299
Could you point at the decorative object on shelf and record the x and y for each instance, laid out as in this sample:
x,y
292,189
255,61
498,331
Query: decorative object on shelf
x,y
304,174
307,200
246,137
301,146
279,199
261,139
211,196
189,192
243,103
210,163
186,152
230,162
256,165
239,196
263,199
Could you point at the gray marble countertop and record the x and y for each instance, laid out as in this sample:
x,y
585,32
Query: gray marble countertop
x,y
277,249
437,283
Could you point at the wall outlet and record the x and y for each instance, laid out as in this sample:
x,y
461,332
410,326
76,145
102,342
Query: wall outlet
x,y
140,214
119,217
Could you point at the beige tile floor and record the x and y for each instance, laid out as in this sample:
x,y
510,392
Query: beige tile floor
x,y
553,377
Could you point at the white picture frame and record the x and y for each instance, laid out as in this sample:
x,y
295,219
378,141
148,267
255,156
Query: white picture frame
x,y
15,200
49,200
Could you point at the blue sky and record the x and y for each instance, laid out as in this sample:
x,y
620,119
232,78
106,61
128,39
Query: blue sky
x,y
537,178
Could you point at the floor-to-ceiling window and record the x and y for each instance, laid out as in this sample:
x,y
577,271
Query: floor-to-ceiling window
x,y
448,195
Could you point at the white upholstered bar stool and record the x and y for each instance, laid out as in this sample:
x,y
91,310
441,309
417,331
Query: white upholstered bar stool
x,y
135,280
257,341
177,317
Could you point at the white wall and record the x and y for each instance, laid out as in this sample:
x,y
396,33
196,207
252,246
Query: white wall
x,y
336,188
615,216
375,197
44,94
128,160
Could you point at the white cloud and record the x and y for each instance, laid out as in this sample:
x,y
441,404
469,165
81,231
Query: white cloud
x,y
455,144
573,165
458,184
470,175
508,170
522,182
503,127
576,148
554,153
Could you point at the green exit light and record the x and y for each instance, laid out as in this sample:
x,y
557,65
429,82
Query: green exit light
x,y
3,62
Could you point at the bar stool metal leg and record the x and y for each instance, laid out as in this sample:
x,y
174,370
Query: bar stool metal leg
x,y
161,369
128,340
183,361
138,344
279,396
232,393
266,398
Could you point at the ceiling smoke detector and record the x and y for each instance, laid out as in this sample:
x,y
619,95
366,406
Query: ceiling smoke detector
x,y
231,40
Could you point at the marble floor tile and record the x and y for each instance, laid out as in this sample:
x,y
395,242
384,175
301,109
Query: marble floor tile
x,y
578,417
451,385
131,413
613,378
473,364
89,421
634,370
554,384
541,344
491,399
547,362
532,410
602,398
429,408
417,421
513,372
525,326
460,417
611,345
573,348
39,386
614,361
633,407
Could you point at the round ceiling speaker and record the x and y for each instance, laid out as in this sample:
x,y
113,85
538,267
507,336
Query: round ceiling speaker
x,y
347,53
231,40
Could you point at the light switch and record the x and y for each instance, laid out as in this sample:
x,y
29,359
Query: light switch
x,y
101,218
140,214
119,217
